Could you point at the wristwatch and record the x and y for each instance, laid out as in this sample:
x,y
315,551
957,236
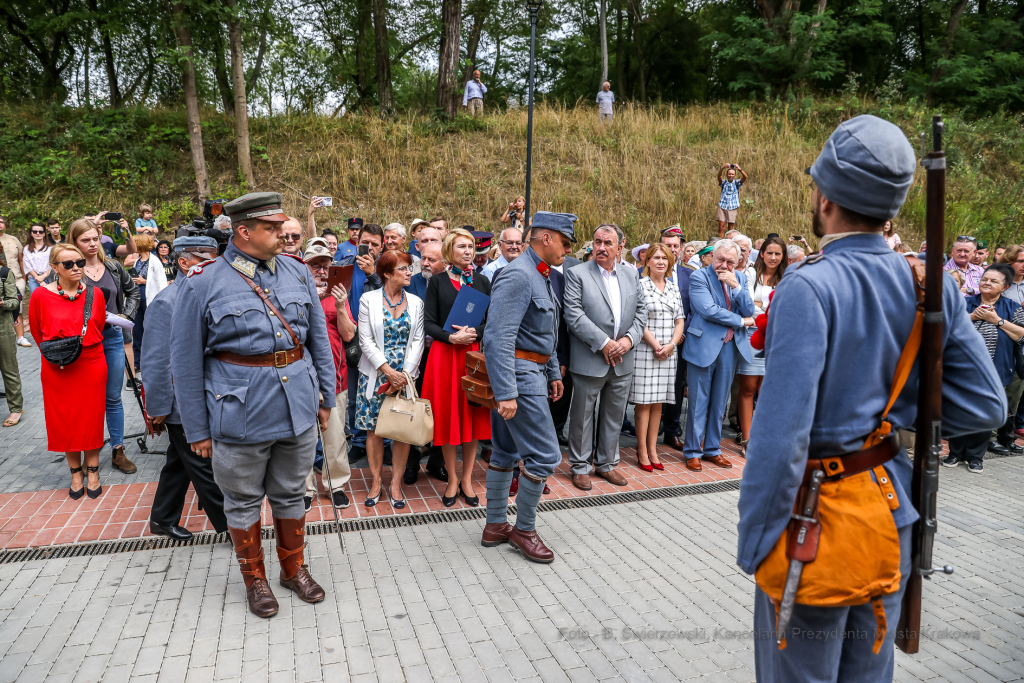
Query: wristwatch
x,y
1000,323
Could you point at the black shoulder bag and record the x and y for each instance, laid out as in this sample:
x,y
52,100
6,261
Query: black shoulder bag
x,y
66,350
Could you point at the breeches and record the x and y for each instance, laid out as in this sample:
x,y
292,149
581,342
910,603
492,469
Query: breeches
x,y
529,436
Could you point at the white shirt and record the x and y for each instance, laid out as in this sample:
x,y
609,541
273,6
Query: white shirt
x,y
611,285
488,270
38,261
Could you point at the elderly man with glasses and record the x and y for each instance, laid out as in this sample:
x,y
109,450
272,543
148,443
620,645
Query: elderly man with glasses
x,y
292,233
510,243
960,260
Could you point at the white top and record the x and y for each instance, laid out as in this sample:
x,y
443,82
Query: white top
x,y
488,270
611,285
759,292
604,101
38,261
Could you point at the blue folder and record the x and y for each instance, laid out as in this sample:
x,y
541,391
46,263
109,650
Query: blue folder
x,y
469,309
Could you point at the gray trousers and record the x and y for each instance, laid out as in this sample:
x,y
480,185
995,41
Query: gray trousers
x,y
613,393
275,469
829,643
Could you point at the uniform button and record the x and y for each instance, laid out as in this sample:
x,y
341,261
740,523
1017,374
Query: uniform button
x,y
261,272
279,334
239,311
266,291
218,395
284,379
271,314
302,314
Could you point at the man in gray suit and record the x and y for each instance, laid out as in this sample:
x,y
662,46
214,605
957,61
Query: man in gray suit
x,y
606,315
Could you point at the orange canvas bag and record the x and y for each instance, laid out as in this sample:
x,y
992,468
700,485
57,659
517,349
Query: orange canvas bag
x,y
858,550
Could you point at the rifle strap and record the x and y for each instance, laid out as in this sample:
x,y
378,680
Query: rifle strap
x,y
907,357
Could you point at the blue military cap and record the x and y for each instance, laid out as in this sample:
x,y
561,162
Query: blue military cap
x,y
560,222
867,166
194,243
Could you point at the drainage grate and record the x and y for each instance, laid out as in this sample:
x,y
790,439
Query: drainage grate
x,y
362,524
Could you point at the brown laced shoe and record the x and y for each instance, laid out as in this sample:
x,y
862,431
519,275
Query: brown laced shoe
x,y
249,551
121,462
495,534
291,541
530,545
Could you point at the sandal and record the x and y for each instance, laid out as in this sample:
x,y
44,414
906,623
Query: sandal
x,y
12,421
72,493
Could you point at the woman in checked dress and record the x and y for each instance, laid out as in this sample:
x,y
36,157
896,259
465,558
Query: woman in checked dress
x,y
655,372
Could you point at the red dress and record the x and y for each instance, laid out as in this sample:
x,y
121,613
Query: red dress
x,y
455,421
74,399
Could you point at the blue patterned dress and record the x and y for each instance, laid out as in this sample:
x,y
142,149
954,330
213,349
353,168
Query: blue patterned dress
x,y
396,337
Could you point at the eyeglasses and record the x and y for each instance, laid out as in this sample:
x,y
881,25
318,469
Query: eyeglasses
x,y
966,238
404,269
323,267
37,232
293,238
510,243
990,281
68,265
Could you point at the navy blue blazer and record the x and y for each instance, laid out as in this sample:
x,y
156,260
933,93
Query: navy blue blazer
x,y
562,346
417,285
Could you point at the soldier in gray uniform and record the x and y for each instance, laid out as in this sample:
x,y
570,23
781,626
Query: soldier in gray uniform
x,y
182,467
252,377
523,367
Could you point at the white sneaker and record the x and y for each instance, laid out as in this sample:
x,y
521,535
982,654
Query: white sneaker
x,y
24,342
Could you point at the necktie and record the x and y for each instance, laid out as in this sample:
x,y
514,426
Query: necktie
x,y
728,305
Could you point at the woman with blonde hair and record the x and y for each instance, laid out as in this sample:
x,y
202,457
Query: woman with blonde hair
x,y
654,374
456,422
121,297
73,394
138,266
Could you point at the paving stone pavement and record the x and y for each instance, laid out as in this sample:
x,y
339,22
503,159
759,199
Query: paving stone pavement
x,y
639,592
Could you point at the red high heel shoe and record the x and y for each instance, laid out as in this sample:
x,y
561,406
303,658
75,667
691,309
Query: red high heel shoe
x,y
645,468
657,465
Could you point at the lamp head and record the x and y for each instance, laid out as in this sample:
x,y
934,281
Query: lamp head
x,y
534,5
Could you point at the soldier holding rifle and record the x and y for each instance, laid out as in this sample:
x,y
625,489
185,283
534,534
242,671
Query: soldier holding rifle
x,y
826,477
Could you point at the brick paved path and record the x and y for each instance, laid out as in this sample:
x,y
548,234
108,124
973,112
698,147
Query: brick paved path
x,y
428,603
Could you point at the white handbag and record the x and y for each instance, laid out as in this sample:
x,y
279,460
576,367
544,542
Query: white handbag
x,y
406,418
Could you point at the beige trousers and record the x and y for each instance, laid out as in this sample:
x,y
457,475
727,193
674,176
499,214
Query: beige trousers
x,y
476,107
335,451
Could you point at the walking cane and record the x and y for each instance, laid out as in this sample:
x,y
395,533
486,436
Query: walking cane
x,y
330,486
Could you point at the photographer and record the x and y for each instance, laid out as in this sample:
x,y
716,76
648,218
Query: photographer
x,y
111,249
729,201
514,213
474,96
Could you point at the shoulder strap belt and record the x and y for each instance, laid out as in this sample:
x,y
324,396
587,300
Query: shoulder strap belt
x,y
266,300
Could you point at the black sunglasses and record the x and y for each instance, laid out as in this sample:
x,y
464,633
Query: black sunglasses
x,y
966,238
38,232
68,265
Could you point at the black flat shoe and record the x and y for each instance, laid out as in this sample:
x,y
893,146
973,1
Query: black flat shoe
x,y
93,493
73,494
472,502
409,477
439,473
173,531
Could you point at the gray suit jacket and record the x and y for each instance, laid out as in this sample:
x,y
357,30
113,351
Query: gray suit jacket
x,y
588,316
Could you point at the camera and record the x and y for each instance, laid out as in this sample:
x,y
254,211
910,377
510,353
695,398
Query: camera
x,y
202,226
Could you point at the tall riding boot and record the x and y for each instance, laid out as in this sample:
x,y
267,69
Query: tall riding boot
x,y
291,541
121,461
249,551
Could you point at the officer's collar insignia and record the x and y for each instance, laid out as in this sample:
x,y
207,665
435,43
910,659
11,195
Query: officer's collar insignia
x,y
813,258
272,263
195,270
544,269
245,266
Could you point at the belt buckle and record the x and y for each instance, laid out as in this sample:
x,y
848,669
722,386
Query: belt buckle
x,y
284,359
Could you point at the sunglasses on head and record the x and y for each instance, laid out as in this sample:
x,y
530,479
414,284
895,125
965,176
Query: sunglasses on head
x,y
68,265
966,238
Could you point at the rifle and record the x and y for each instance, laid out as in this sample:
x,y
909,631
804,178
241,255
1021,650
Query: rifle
x,y
928,447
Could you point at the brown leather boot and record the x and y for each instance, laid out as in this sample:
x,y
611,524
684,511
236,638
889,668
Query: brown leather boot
x,y
249,551
121,462
495,534
291,541
530,545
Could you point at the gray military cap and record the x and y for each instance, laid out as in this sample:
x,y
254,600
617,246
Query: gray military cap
x,y
560,222
266,206
867,166
194,243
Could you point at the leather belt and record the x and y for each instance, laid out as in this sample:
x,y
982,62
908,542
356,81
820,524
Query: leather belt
x,y
278,359
849,464
532,357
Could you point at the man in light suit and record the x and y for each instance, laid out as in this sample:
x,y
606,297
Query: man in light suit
x,y
606,316
716,337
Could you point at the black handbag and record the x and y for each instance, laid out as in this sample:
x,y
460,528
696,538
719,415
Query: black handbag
x,y
353,352
66,350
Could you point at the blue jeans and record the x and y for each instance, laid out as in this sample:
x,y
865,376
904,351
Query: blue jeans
x,y
113,351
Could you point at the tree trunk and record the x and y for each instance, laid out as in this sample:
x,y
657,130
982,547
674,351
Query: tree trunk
x,y
479,14
380,30
220,71
448,60
620,57
195,125
363,19
241,108
87,42
497,58
603,28
108,57
947,42
637,11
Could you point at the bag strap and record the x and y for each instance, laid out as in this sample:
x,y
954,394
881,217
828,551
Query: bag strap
x,y
410,387
88,310
4,272
907,357
266,300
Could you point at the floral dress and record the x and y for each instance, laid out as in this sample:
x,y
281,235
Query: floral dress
x,y
396,338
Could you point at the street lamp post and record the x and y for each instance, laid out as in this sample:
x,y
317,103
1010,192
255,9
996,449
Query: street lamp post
x,y
532,6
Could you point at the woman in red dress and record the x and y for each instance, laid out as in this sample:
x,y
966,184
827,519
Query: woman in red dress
x,y
455,420
74,397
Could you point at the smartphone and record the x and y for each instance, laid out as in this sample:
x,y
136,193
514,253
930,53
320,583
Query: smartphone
x,y
796,237
339,275
111,216
363,250
986,307
384,388
324,201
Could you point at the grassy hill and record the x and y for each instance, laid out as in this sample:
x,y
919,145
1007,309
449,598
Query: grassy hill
x,y
654,167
